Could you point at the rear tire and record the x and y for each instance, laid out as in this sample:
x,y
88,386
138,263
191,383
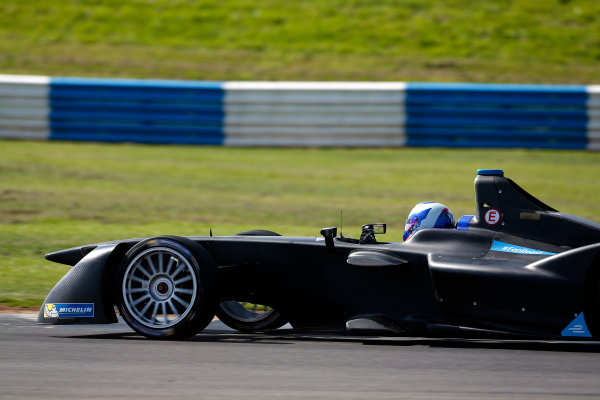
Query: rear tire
x,y
165,288
236,315
592,298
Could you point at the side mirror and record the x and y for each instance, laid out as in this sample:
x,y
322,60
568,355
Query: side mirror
x,y
329,234
378,229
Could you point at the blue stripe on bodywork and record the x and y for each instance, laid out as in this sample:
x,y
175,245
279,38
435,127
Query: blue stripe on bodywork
x,y
142,111
511,248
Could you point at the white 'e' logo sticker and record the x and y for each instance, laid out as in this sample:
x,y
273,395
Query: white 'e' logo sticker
x,y
492,217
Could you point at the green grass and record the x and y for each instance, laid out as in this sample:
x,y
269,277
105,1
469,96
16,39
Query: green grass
x,y
530,41
55,195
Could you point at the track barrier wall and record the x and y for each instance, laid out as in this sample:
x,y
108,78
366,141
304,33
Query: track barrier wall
x,y
340,114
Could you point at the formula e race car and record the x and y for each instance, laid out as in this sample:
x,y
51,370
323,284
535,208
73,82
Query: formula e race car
x,y
516,267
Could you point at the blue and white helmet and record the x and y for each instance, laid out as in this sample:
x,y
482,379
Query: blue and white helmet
x,y
428,215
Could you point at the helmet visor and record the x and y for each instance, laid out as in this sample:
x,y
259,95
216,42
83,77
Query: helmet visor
x,y
411,225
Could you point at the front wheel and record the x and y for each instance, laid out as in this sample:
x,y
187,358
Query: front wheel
x,y
165,288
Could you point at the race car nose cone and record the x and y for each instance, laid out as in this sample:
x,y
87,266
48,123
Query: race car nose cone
x,y
490,172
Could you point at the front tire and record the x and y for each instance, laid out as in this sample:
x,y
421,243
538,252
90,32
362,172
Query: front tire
x,y
165,288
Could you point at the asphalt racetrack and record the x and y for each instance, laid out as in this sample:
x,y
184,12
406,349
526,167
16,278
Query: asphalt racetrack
x,y
112,362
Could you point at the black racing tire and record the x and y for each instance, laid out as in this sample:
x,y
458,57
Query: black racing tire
x,y
592,298
257,232
235,315
595,328
165,288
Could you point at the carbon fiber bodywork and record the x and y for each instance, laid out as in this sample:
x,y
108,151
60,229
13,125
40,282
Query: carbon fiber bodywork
x,y
517,267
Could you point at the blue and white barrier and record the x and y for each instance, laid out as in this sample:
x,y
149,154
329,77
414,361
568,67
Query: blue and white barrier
x,y
300,113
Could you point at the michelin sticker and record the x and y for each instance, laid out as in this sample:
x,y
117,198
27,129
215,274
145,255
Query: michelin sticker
x,y
511,248
68,310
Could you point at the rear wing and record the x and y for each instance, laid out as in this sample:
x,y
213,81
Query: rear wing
x,y
505,207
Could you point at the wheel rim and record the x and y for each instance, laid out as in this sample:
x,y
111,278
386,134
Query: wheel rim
x,y
159,287
246,312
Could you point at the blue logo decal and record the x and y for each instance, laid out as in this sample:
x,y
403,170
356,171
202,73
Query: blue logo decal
x,y
511,248
68,310
577,328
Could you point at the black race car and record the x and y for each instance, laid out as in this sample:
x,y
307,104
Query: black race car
x,y
517,267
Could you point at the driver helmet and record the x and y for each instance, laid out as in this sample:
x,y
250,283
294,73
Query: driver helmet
x,y
428,215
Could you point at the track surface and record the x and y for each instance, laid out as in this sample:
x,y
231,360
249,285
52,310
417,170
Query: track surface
x,y
112,362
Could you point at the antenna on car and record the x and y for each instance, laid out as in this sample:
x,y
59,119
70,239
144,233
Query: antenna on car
x,y
341,222
211,231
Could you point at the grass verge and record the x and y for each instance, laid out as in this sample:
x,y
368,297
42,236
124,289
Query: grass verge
x,y
525,41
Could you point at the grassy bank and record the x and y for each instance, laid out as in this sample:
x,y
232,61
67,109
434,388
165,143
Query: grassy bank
x,y
529,41
55,195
